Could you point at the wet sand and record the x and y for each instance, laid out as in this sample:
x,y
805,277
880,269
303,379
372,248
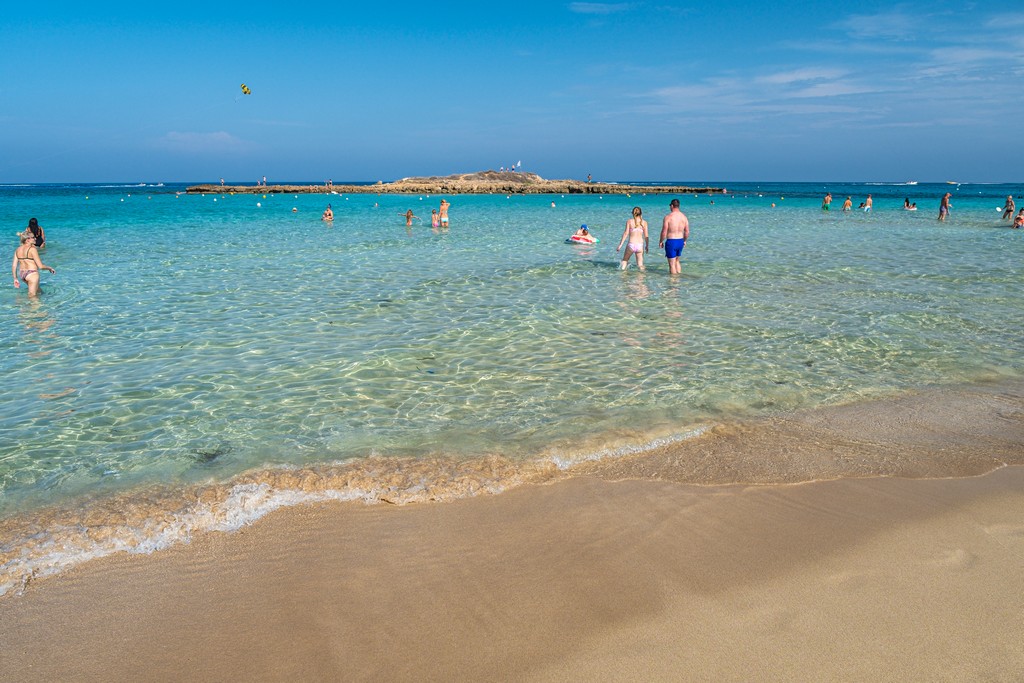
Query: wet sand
x,y
619,574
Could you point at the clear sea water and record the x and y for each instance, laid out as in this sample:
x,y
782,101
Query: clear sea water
x,y
199,360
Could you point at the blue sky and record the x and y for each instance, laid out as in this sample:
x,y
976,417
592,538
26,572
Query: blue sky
x,y
624,91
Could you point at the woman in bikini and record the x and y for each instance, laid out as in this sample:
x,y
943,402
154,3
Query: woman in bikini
x,y
636,233
27,265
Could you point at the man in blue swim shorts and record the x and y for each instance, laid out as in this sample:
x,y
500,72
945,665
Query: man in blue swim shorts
x,y
675,229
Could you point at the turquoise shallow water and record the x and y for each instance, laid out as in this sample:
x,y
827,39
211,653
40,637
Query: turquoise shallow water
x,y
189,339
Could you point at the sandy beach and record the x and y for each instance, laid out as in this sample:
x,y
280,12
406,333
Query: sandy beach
x,y
589,341
619,574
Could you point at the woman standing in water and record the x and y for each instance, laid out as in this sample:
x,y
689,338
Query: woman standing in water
x,y
37,232
636,233
27,265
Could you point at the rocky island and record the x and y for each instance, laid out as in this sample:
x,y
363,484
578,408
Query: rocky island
x,y
481,182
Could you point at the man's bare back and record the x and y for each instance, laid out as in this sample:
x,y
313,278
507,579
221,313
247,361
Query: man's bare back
x,y
675,230
675,226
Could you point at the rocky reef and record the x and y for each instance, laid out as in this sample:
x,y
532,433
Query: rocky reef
x,y
481,182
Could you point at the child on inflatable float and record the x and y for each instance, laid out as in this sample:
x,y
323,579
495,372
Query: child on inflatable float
x,y
583,236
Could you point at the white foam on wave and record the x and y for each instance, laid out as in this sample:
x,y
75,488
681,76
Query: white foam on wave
x,y
145,526
564,462
53,551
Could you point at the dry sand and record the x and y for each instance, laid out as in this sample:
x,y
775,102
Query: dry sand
x,y
620,574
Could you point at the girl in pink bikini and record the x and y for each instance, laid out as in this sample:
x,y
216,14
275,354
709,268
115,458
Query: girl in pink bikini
x,y
27,265
636,233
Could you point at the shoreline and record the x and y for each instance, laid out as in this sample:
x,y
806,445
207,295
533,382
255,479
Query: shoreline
x,y
483,182
632,579
640,566
943,432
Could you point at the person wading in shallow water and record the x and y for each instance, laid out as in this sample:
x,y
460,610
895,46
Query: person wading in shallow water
x,y
37,232
26,264
1007,209
443,212
638,241
944,207
675,230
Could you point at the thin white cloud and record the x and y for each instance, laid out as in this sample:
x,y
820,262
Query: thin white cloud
x,y
878,73
708,95
894,24
967,55
832,90
966,63
193,143
802,75
808,92
774,91
846,48
1005,21
599,7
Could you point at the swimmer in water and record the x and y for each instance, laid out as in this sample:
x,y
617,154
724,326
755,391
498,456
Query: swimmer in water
x,y
583,235
328,214
408,217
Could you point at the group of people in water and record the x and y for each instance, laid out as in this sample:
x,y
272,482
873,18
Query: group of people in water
x,y
675,230
1018,220
866,205
438,217
944,207
26,264
1008,208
